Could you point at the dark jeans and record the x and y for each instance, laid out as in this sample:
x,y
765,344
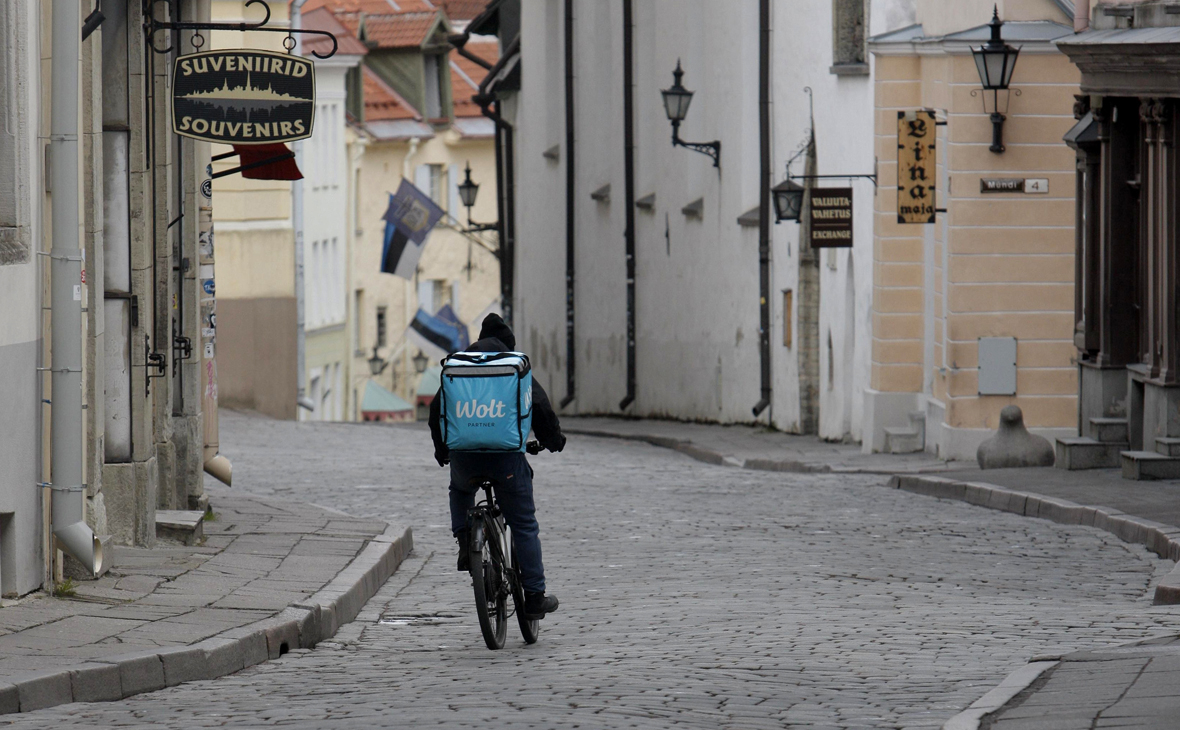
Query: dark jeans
x,y
513,478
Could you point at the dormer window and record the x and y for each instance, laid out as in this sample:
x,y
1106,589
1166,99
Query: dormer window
x,y
434,102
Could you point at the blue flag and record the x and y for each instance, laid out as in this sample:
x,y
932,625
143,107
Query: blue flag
x,y
410,217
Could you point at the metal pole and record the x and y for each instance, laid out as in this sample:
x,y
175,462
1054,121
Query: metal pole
x,y
570,234
301,399
764,201
72,533
629,194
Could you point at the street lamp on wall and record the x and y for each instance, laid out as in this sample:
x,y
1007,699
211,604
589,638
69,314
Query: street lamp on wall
x,y
676,101
995,61
468,190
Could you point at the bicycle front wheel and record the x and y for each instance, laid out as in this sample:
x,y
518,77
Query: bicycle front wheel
x,y
491,595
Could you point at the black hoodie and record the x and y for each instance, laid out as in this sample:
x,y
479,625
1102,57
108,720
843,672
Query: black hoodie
x,y
496,336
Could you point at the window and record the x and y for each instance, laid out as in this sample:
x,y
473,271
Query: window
x,y
336,291
788,316
357,321
433,88
848,36
438,185
313,289
434,294
380,326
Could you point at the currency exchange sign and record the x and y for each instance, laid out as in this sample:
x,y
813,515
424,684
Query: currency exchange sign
x,y
917,160
243,96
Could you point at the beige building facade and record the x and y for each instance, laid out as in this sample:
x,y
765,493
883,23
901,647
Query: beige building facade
x,y
974,311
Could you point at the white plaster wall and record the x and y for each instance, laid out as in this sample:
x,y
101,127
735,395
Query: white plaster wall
x,y
697,304
20,318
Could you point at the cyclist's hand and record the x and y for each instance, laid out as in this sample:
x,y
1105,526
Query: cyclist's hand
x,y
442,459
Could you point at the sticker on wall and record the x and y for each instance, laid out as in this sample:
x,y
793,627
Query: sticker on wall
x,y
917,162
243,96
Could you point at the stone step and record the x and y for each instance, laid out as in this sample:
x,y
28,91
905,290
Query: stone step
x,y
182,525
1109,430
899,440
1168,445
1139,465
1080,452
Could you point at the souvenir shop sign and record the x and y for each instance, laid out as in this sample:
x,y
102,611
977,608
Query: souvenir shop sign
x,y
917,163
243,96
831,218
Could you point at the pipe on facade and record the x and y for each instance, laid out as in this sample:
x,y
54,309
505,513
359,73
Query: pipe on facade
x,y
72,533
764,202
570,207
458,41
1081,16
301,399
629,194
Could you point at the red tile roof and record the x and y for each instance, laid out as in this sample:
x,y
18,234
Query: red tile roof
x,y
463,9
401,30
382,102
371,6
322,19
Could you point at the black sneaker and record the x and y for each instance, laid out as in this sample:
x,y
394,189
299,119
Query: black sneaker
x,y
536,605
464,563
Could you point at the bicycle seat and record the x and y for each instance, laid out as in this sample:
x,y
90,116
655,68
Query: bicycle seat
x,y
480,481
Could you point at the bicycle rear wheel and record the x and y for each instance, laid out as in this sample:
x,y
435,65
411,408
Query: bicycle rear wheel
x,y
487,579
530,629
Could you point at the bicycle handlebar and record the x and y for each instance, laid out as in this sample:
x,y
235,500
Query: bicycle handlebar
x,y
533,447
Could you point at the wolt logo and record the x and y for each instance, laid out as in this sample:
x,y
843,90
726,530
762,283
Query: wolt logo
x,y
492,409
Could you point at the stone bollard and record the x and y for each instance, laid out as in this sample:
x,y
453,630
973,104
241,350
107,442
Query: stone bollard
x,y
1013,445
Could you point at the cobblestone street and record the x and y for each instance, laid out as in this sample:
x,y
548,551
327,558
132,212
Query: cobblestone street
x,y
692,596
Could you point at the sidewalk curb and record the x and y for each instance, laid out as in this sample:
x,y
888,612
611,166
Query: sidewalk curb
x,y
1013,684
708,456
1161,539
301,625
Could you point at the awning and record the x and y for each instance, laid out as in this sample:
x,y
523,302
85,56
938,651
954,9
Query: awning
x,y
379,400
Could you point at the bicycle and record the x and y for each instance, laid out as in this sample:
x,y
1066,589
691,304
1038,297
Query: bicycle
x,y
494,571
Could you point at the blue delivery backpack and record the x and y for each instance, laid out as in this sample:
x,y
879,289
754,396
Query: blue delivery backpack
x,y
487,401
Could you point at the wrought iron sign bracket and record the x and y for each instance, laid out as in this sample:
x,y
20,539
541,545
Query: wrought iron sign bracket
x,y
152,26
870,176
712,149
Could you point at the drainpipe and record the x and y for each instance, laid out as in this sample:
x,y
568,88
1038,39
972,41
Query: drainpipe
x,y
764,200
629,195
1081,15
72,533
301,399
570,235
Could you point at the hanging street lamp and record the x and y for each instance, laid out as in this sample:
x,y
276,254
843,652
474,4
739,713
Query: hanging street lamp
x,y
995,61
420,362
377,365
788,200
676,101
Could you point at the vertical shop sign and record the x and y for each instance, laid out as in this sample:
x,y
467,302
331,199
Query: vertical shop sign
x,y
917,161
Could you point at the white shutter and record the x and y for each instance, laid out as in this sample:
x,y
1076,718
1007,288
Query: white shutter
x,y
453,204
422,179
426,295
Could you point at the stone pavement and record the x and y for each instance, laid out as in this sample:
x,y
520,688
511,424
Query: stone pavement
x,y
693,596
270,576
1129,686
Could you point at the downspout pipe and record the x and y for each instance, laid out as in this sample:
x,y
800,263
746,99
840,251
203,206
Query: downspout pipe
x,y
629,194
570,209
764,202
1081,16
301,399
72,533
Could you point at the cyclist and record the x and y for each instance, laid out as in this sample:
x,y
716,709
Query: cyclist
x,y
511,474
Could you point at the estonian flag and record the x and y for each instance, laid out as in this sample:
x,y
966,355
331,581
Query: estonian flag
x,y
411,215
437,335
